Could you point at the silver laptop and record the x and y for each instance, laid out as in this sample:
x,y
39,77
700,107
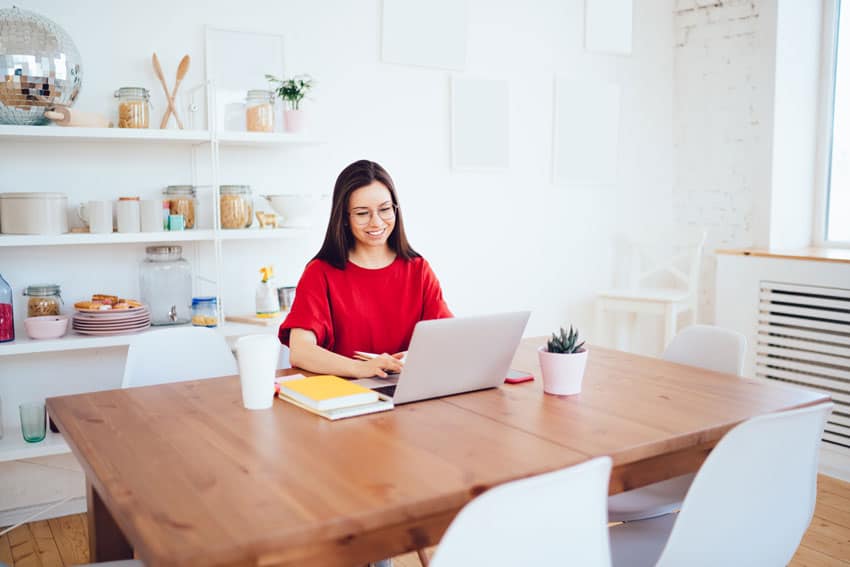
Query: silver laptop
x,y
455,355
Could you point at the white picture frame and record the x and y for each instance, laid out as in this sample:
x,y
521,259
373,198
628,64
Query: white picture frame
x,y
608,26
428,33
480,123
586,132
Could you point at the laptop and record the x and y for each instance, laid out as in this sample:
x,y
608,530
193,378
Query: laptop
x,y
453,356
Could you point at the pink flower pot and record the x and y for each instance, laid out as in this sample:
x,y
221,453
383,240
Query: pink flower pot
x,y
293,120
562,373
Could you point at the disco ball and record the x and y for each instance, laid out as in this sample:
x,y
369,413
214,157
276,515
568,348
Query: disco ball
x,y
40,67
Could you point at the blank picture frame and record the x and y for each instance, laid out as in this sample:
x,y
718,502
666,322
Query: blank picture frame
x,y
586,132
608,26
426,33
480,121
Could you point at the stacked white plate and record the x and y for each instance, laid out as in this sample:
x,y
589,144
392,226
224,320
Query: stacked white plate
x,y
117,322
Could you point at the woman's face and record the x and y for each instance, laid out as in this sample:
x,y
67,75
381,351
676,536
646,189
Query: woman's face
x,y
371,214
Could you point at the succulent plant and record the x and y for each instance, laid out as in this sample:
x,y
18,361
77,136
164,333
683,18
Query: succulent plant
x,y
565,342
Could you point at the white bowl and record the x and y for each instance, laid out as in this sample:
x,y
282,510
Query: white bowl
x,y
46,326
295,210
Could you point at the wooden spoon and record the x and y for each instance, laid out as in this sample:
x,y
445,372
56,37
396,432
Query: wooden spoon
x,y
158,70
182,69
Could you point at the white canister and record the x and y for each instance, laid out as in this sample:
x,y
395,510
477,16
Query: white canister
x,y
127,214
33,213
150,212
97,215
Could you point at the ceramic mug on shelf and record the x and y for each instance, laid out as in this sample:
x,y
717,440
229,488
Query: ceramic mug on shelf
x,y
127,214
150,211
97,215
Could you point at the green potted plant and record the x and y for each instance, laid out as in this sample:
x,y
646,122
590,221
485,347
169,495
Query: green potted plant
x,y
562,362
292,92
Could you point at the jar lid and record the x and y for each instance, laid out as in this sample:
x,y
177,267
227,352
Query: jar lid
x,y
164,249
210,300
261,94
128,198
180,190
42,290
234,189
140,92
33,196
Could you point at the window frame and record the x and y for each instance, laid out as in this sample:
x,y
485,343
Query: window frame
x,y
829,60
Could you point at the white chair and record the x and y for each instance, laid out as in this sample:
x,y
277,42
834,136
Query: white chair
x,y
750,503
651,260
177,354
553,518
705,346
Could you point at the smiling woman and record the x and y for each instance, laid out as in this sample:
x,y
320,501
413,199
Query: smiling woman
x,y
366,288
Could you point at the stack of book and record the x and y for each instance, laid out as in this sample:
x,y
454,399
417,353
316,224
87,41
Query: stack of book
x,y
332,397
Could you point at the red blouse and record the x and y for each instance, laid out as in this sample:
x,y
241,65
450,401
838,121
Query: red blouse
x,y
362,309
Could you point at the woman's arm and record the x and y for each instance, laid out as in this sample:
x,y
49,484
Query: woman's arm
x,y
304,352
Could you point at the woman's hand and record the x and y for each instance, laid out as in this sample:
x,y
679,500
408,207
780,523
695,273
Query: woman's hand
x,y
379,366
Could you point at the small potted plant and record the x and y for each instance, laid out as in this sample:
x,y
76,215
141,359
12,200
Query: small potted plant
x,y
292,91
562,361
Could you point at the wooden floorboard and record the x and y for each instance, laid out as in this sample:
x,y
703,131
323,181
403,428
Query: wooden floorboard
x,y
64,541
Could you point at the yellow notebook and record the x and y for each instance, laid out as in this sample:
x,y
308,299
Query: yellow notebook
x,y
326,392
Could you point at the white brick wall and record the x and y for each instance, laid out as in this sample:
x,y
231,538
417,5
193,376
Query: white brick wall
x,y
720,119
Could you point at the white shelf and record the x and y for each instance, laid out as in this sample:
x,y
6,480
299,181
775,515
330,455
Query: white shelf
x,y
14,448
73,341
263,139
114,238
261,233
60,133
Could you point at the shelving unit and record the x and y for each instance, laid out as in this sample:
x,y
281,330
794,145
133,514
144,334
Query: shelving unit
x,y
14,448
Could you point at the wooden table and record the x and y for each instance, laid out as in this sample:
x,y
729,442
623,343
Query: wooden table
x,y
185,476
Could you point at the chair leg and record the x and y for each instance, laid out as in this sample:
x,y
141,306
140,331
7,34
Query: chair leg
x,y
669,324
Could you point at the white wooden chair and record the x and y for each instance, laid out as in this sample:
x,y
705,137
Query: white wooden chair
x,y
176,354
750,503
705,346
555,518
653,258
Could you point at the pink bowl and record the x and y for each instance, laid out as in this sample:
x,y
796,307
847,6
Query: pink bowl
x,y
46,327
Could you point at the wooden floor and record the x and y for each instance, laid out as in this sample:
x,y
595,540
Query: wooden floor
x,y
64,541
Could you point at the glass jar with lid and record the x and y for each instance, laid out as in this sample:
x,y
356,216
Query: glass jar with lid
x,y
44,299
133,107
166,285
236,207
204,311
181,201
259,111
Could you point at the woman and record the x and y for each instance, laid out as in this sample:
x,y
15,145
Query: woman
x,y
366,288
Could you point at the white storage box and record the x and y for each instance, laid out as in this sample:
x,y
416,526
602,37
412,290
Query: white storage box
x,y
33,213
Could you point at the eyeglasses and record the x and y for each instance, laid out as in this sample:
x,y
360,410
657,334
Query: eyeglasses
x,y
362,216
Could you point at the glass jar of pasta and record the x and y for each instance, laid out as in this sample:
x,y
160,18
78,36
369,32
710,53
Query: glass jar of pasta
x,y
204,311
44,299
236,206
259,111
181,201
133,107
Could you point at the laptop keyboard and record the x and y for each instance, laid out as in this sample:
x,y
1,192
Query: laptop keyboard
x,y
386,390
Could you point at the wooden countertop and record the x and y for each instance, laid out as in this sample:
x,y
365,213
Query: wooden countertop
x,y
840,255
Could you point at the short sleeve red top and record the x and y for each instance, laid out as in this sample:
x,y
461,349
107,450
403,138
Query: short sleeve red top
x,y
363,309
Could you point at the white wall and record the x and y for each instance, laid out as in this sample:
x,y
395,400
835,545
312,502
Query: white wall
x,y
498,240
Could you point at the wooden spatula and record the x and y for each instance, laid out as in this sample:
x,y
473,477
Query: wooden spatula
x,y
182,69
158,70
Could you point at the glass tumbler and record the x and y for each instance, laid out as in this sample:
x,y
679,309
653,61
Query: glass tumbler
x,y
33,422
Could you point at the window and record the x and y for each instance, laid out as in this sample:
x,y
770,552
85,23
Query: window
x,y
836,225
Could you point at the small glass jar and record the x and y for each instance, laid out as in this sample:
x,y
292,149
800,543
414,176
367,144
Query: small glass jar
x,y
181,201
44,299
236,207
204,311
259,111
133,107
166,285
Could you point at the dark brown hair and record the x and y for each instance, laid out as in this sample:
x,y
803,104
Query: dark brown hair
x,y
339,239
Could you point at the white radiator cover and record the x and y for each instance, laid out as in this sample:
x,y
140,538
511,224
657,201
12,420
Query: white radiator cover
x,y
803,338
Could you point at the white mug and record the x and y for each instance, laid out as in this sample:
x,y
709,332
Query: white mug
x,y
127,215
97,215
150,211
257,356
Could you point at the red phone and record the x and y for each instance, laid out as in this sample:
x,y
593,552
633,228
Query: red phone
x,y
518,376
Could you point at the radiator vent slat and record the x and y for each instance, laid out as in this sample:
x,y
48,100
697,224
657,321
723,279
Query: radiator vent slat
x,y
803,338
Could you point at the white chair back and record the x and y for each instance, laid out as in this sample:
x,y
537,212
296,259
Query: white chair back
x,y
667,251
556,518
753,498
175,355
709,347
